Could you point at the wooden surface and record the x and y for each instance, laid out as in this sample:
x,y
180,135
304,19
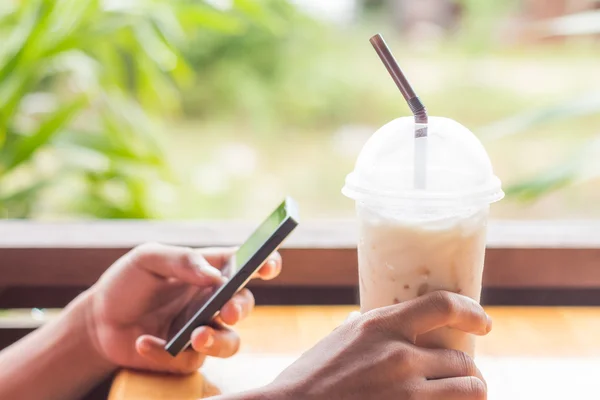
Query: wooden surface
x,y
504,267
530,351
526,254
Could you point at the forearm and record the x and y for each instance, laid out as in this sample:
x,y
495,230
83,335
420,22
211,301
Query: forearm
x,y
58,361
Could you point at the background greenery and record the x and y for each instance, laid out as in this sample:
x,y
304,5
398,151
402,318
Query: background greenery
x,y
184,109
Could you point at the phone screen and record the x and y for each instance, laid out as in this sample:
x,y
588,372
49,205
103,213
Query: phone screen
x,y
255,241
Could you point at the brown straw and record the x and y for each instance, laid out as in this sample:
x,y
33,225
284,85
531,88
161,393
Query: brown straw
x,y
417,108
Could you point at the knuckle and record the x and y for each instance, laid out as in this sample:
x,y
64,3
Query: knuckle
x,y
476,388
231,349
190,260
368,324
466,365
412,391
404,354
146,248
444,302
405,358
251,301
353,327
145,252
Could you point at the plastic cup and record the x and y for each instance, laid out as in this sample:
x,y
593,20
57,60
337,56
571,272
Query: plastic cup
x,y
415,241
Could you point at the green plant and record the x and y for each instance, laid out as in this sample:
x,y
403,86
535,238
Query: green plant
x,y
579,166
83,86
242,76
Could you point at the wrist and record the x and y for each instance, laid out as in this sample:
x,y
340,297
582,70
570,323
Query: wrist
x,y
79,316
59,358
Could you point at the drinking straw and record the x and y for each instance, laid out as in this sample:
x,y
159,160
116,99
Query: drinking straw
x,y
416,106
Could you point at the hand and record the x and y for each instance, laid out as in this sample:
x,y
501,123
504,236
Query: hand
x,y
373,356
149,293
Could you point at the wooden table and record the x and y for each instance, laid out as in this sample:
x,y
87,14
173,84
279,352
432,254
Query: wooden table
x,y
532,353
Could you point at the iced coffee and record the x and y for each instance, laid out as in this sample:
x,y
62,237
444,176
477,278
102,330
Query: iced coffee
x,y
415,241
422,186
400,260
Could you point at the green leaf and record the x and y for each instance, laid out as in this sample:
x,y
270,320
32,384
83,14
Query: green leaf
x,y
260,15
114,73
166,22
25,193
580,106
102,145
14,47
18,204
66,26
35,28
127,123
105,197
154,46
20,71
155,91
559,176
23,148
12,91
547,182
7,9
196,16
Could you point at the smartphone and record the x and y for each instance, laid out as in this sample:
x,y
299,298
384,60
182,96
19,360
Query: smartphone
x,y
265,240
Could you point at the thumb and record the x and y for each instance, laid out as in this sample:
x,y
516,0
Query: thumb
x,y
152,349
182,263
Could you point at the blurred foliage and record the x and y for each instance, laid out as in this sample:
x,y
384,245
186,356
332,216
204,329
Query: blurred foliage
x,y
88,88
82,85
238,73
576,168
281,69
580,166
480,21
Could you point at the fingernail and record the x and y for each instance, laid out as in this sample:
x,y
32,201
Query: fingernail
x,y
209,341
211,271
272,263
204,268
489,324
145,346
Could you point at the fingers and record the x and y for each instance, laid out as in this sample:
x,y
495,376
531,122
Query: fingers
x,y
206,341
238,308
218,257
271,268
182,263
461,388
441,364
221,342
153,350
200,266
431,311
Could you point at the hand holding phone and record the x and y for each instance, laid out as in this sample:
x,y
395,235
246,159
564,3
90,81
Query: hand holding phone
x,y
265,240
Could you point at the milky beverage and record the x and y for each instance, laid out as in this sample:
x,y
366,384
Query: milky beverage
x,y
400,261
412,242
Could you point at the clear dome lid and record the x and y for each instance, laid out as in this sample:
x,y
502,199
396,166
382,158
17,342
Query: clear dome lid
x,y
459,172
